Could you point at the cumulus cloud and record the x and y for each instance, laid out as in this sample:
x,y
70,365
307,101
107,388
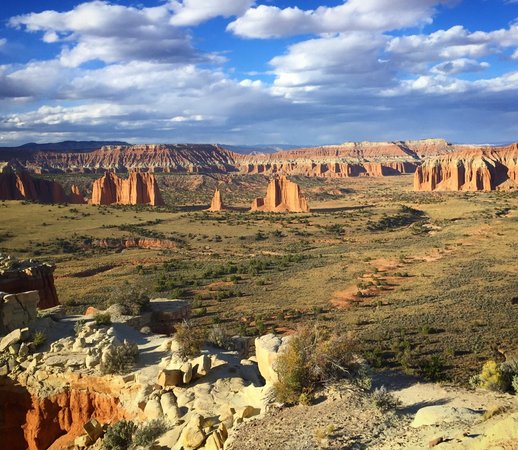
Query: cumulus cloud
x,y
194,12
460,65
102,31
353,15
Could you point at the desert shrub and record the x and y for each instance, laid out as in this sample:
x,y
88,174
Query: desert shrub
x,y
133,299
121,358
490,378
147,434
309,359
432,369
190,339
103,319
119,436
514,384
219,337
39,339
78,326
384,400
509,370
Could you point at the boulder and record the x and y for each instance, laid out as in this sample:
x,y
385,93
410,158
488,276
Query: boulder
x,y
153,409
170,378
435,415
193,436
14,337
93,429
18,310
267,348
502,435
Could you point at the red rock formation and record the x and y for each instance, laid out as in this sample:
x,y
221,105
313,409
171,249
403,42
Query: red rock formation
x,y
217,203
282,195
15,401
474,169
134,243
329,161
22,186
75,196
139,188
22,276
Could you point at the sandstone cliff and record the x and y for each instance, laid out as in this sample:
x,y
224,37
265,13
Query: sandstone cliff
x,y
282,195
21,276
217,203
139,188
474,169
22,186
344,160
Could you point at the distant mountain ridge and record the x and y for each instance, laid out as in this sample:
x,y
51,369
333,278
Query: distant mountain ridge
x,y
63,146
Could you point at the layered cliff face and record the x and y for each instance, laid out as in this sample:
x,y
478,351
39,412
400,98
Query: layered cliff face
x,y
282,195
175,158
345,160
475,169
217,203
28,275
22,186
138,189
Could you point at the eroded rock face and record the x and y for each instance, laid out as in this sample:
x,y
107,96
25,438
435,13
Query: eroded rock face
x,y
474,169
18,276
17,311
138,189
345,160
217,203
282,195
22,186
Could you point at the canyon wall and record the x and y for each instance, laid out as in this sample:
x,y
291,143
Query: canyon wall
x,y
282,195
22,186
344,160
138,189
18,276
475,169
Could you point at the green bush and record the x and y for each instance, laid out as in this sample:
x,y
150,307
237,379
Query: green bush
x,y
432,369
309,359
147,434
119,436
190,339
384,400
103,319
39,339
121,359
219,337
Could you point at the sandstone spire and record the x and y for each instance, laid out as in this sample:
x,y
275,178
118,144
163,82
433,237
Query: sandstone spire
x,y
217,203
139,188
282,195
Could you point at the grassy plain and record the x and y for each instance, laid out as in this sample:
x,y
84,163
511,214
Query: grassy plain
x,y
426,281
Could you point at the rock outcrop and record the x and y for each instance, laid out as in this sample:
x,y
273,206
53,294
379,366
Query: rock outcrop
x,y
22,186
282,195
217,203
138,189
18,276
17,311
474,169
344,160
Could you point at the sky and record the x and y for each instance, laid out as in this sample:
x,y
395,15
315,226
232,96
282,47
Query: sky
x,y
250,72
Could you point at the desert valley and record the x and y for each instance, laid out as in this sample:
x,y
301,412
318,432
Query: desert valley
x,y
155,286
259,225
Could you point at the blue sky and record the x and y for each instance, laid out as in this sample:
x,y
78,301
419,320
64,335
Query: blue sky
x,y
245,72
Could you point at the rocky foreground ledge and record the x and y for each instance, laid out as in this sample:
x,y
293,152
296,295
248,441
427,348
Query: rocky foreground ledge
x,y
59,395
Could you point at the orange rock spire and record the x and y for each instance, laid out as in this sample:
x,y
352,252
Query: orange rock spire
x,y
282,195
217,203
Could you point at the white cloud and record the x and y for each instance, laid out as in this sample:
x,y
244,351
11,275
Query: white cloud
x,y
415,52
460,65
111,33
360,15
194,12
